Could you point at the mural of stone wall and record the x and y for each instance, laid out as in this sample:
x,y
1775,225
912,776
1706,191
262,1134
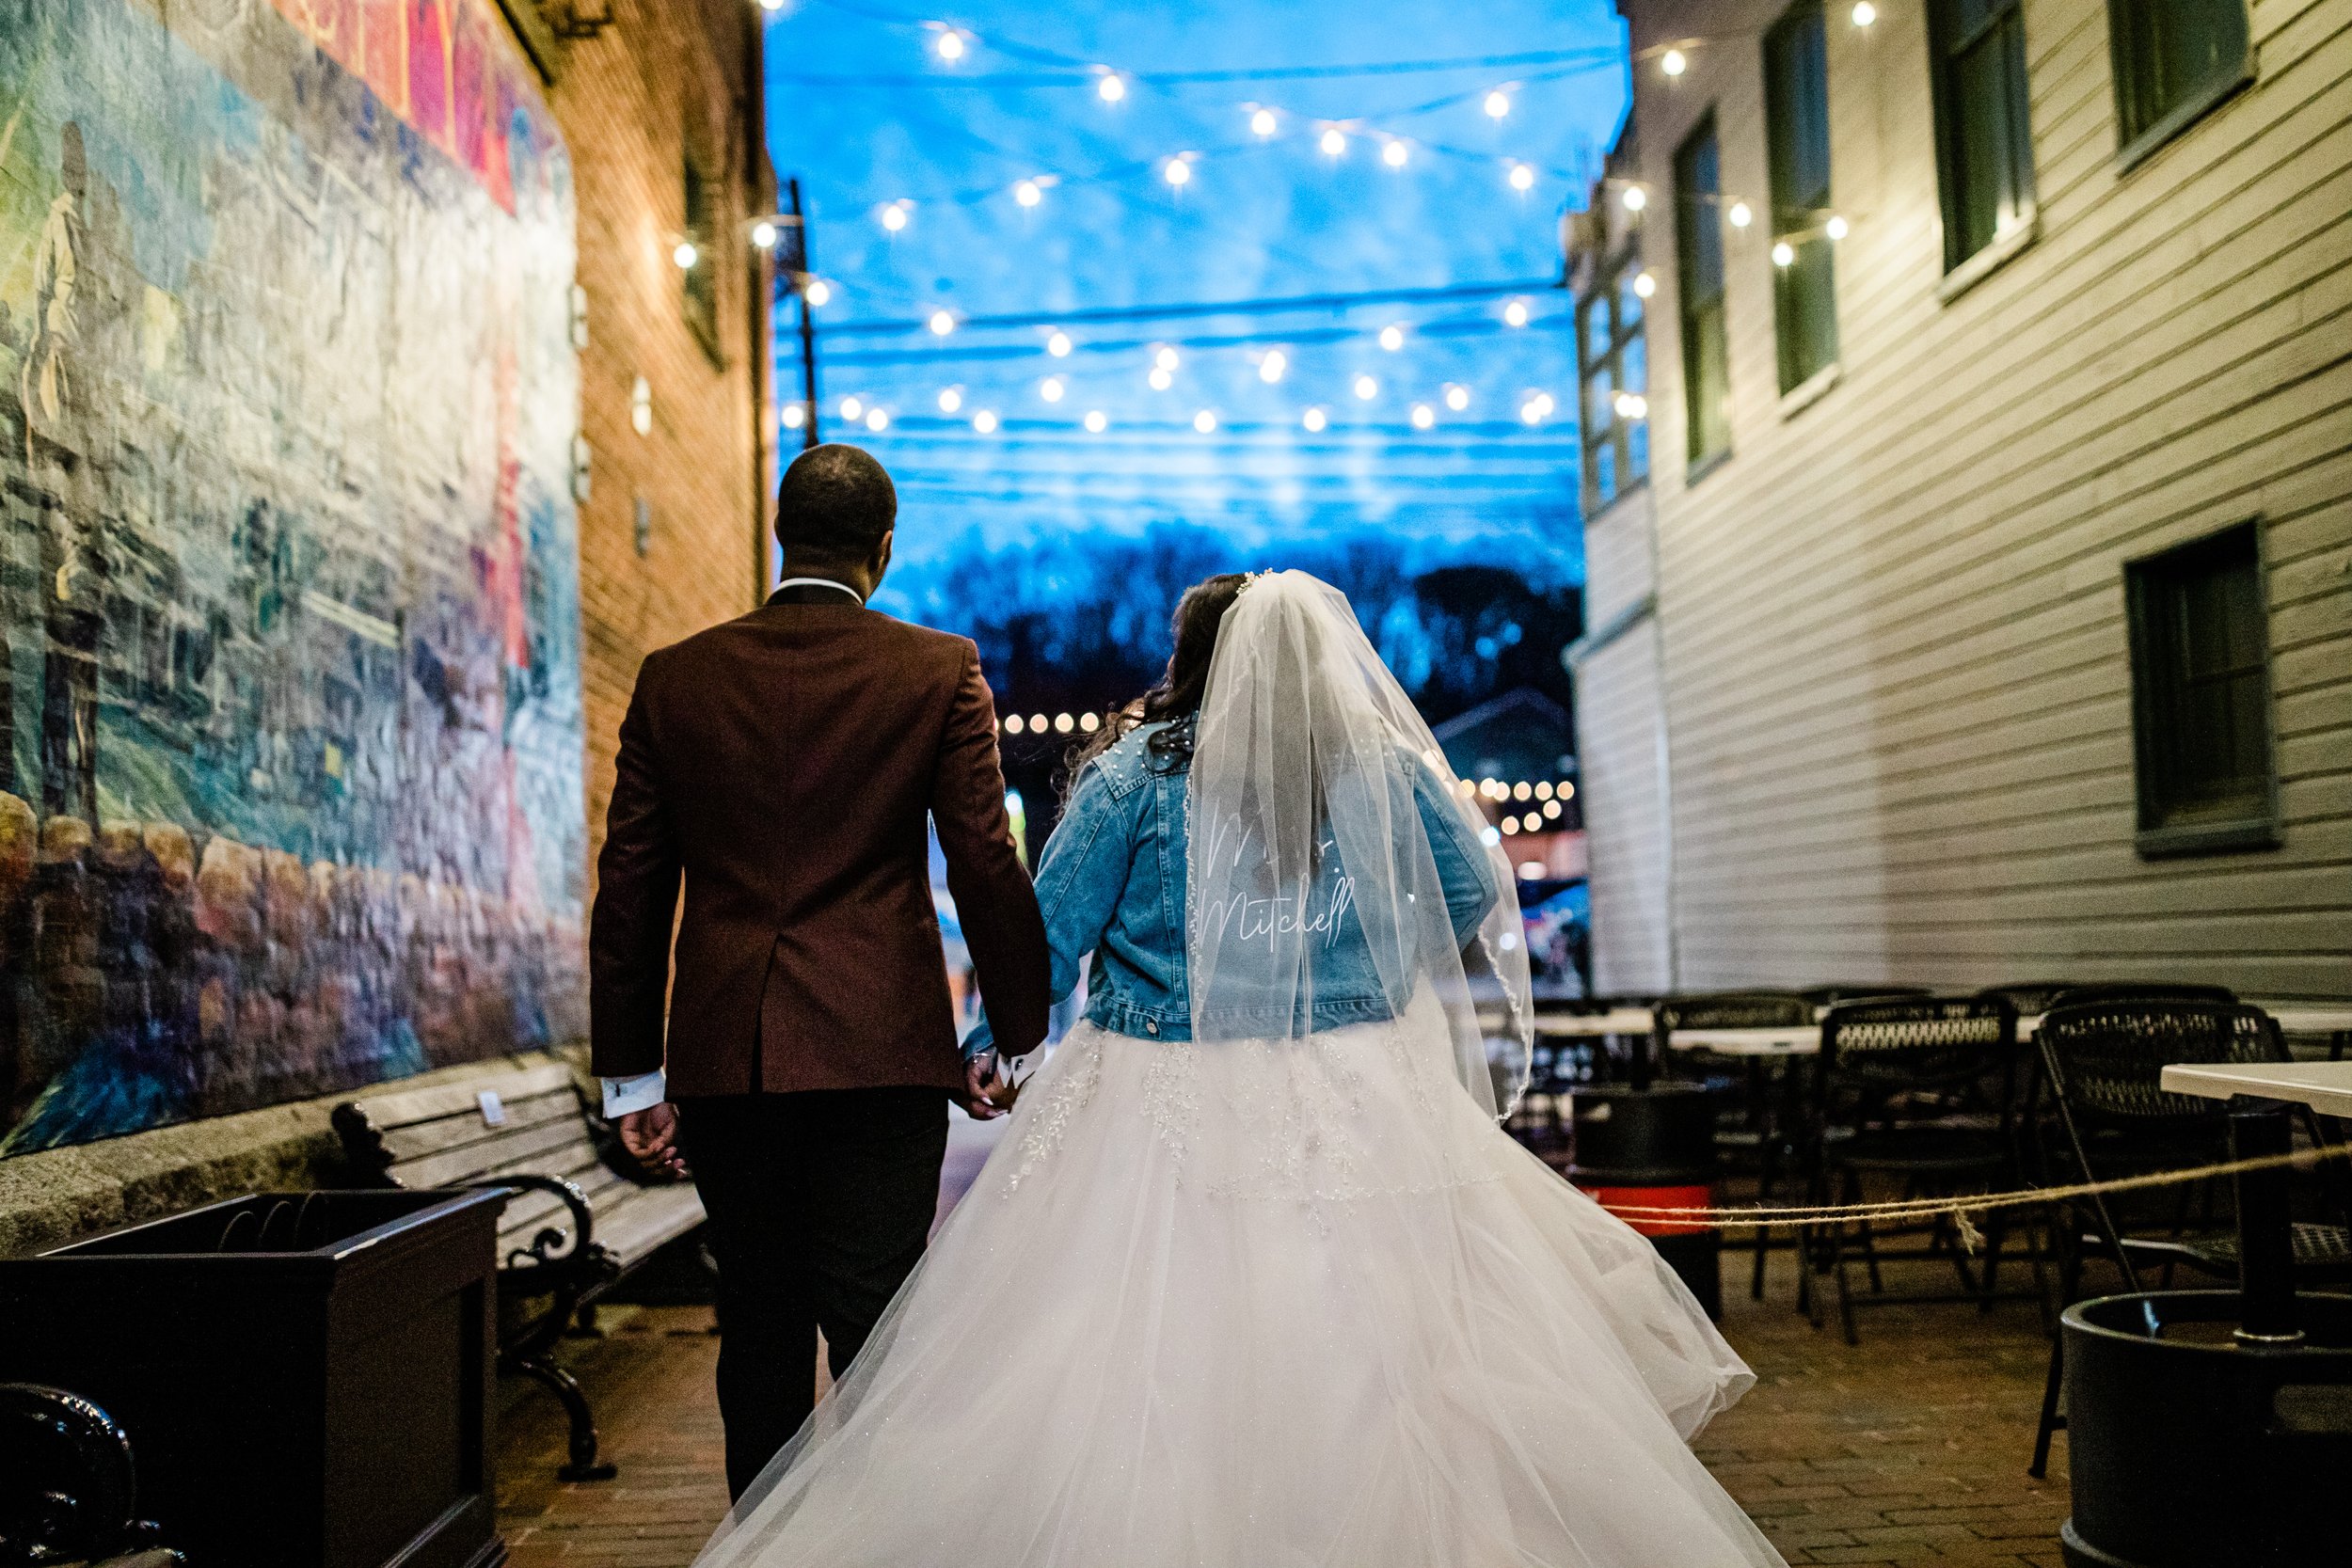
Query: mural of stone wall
x,y
290,736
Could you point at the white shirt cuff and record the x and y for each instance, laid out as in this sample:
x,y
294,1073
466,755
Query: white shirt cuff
x,y
640,1093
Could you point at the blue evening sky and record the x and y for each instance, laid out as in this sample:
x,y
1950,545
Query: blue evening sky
x,y
864,109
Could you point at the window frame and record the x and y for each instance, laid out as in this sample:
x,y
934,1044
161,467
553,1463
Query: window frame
x,y
1943,54
2156,837
2135,146
1609,279
698,285
1815,252
1698,462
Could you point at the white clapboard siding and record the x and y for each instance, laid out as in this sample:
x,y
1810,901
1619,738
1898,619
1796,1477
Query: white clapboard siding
x,y
1617,720
1892,644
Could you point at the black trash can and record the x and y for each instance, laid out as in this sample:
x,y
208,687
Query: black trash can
x,y
1652,1145
2191,1450
307,1376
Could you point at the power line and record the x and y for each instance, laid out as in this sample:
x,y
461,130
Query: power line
x,y
1200,309
1311,338
1074,77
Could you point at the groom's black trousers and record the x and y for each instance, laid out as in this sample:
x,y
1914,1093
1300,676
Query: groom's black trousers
x,y
820,1204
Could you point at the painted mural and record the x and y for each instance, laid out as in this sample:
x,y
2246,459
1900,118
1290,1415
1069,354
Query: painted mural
x,y
289,732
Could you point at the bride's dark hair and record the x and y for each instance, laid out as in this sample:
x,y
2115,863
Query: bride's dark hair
x,y
1198,614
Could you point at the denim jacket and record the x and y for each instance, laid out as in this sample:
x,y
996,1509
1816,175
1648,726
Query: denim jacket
x,y
1112,883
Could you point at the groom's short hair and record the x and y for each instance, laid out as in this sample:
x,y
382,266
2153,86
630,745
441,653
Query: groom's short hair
x,y
835,505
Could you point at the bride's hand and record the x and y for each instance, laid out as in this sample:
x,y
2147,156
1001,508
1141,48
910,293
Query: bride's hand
x,y
983,1081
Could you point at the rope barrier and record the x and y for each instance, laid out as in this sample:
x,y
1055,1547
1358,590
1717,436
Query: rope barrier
x,y
1959,1207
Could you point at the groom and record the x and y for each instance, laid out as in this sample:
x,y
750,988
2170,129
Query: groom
x,y
782,767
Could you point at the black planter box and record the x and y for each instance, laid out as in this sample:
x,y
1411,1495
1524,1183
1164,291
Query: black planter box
x,y
306,1377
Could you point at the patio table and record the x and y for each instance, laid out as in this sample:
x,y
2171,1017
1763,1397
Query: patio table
x,y
2324,1086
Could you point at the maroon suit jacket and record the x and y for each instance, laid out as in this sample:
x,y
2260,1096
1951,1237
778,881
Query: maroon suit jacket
x,y
782,765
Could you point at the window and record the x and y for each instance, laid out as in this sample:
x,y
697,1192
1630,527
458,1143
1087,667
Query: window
x,y
1983,139
702,279
1796,125
2200,689
1613,362
1699,254
2174,59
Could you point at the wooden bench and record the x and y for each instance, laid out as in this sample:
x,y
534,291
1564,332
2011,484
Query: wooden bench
x,y
574,1225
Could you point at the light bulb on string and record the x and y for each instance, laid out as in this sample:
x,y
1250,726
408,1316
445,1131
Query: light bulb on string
x,y
1178,171
1864,13
950,400
1050,389
877,421
1515,313
1645,284
1333,142
1167,359
894,217
772,5
1457,397
985,421
941,323
949,44
1632,405
1498,104
1424,416
1262,121
1097,422
1522,176
1315,420
1161,381
1674,62
1782,253
764,234
1367,388
1204,422
852,409
1270,368
1059,345
1635,198
1392,337
1837,228
794,416
1112,88
1028,193
1739,215
818,292
685,255
1530,412
1395,154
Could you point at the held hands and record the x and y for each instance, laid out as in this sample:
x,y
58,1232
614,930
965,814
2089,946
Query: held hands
x,y
650,1136
989,1089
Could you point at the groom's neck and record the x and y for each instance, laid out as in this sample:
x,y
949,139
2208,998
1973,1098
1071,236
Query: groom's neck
x,y
861,580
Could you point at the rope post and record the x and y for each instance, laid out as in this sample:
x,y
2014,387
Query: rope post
x,y
2259,1129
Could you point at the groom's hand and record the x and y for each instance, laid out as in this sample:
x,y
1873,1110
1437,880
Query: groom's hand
x,y
983,1080
650,1136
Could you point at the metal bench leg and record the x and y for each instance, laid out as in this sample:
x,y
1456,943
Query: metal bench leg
x,y
584,1465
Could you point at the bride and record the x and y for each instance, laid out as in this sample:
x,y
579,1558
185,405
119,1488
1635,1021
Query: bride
x,y
1253,1280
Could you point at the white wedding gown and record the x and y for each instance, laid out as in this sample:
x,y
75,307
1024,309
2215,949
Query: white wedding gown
x,y
1265,1305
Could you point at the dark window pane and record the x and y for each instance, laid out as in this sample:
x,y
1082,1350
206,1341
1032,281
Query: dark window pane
x,y
1637,451
1706,369
2201,685
2169,52
1984,139
1807,303
1595,330
1796,113
1600,399
1634,365
1605,471
1699,254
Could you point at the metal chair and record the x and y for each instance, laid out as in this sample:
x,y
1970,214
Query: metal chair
x,y
1829,997
1752,1133
2142,990
2105,1065
1924,1090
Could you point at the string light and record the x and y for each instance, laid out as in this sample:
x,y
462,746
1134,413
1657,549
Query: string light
x,y
1864,13
819,292
1038,722
852,409
1167,359
686,255
1064,723
1551,809
1782,253
1178,171
894,217
1367,388
1521,790
1522,176
951,400
772,5
1424,416
1740,215
1498,104
1674,62
1395,154
1515,313
1160,379
1392,337
1028,193
1645,285
1204,422
1014,723
1050,389
1097,422
1059,344
1270,368
985,421
1333,143
794,416
942,324
1457,397
1635,198
1536,408
950,45
764,234
1835,228
1632,405
877,421
1315,420
1112,88
1543,789
1262,121
1090,721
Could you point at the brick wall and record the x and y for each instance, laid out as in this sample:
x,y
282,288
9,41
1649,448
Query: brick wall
x,y
667,80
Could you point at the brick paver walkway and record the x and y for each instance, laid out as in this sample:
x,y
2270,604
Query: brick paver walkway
x,y
1909,1451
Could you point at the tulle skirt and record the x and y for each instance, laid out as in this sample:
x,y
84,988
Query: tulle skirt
x,y
1265,1305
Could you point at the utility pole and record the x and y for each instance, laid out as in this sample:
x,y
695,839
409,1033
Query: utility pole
x,y
800,277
